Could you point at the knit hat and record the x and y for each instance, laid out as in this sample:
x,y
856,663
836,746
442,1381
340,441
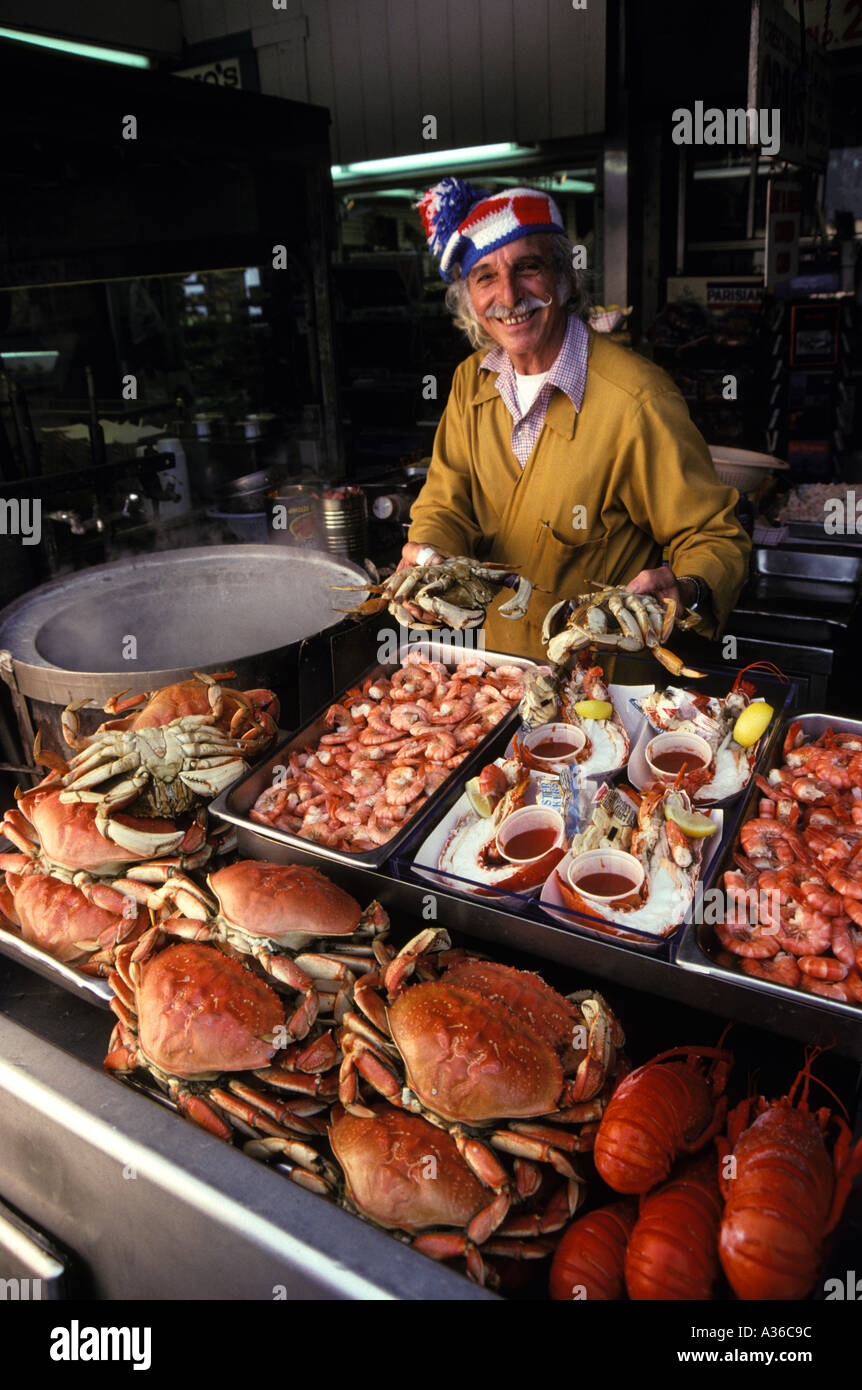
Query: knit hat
x,y
463,223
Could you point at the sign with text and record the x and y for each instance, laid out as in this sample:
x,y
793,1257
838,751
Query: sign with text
x,y
776,81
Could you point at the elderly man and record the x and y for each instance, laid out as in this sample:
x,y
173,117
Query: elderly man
x,y
559,453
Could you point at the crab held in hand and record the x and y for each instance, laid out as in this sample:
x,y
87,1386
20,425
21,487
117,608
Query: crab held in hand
x,y
454,594
617,620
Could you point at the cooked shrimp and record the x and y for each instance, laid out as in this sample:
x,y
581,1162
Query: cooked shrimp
x,y
403,784
405,714
441,747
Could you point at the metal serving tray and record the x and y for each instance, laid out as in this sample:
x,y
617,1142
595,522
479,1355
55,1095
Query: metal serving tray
x,y
807,564
89,987
234,804
697,949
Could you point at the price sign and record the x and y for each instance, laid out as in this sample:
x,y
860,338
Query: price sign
x,y
784,201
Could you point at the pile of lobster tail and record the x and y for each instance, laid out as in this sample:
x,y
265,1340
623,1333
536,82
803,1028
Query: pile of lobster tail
x,y
753,1207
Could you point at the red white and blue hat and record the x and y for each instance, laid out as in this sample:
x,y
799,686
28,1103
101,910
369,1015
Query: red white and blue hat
x,y
463,223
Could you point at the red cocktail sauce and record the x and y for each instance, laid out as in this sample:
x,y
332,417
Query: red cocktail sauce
x,y
606,885
531,844
553,748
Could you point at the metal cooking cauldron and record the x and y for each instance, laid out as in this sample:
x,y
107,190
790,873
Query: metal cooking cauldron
x,y
265,612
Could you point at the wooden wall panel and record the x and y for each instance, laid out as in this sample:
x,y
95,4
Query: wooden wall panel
x,y
489,70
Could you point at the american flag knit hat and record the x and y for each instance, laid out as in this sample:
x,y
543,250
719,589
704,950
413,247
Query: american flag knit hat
x,y
463,223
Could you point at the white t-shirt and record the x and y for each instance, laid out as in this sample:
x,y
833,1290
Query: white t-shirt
x,y
528,388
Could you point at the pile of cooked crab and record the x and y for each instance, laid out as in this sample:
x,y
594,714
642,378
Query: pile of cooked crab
x,y
438,1094
131,800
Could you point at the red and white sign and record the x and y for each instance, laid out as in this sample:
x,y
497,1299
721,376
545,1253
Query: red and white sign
x,y
783,205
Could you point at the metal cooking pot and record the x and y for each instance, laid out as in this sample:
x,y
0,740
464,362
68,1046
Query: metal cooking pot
x,y
265,612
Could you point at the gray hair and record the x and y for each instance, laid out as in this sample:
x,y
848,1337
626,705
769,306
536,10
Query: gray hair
x,y
464,316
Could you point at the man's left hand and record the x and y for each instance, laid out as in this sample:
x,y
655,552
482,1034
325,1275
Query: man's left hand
x,y
661,581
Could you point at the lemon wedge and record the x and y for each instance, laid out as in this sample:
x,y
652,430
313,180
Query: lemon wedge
x,y
594,709
482,805
753,721
691,823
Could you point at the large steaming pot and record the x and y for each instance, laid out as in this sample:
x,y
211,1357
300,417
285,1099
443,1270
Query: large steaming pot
x,y
264,612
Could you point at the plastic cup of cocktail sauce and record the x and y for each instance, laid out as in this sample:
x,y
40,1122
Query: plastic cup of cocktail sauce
x,y
605,875
530,834
667,753
552,746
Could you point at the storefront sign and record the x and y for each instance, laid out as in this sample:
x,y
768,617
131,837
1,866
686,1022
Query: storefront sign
x,y
221,72
845,21
776,80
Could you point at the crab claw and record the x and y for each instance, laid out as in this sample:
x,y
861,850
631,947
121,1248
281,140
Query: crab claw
x,y
674,664
517,606
551,614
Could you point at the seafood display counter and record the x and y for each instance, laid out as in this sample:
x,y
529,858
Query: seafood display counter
x,y
138,1202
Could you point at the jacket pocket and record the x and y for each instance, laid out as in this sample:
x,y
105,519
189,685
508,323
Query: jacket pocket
x,y
567,568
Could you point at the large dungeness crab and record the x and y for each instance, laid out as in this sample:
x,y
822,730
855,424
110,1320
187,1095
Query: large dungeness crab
x,y
71,916
453,594
617,620
195,1017
304,931
185,744
407,1175
492,1054
48,830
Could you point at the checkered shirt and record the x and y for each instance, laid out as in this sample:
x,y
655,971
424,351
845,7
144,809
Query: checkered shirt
x,y
569,373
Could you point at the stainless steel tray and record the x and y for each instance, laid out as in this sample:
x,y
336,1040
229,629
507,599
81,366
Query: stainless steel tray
x,y
234,804
89,987
697,948
807,564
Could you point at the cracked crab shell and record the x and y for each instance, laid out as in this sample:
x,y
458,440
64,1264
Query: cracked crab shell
x,y
201,1012
470,1058
275,899
403,1172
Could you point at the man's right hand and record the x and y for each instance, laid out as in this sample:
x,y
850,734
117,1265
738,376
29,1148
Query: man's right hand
x,y
410,555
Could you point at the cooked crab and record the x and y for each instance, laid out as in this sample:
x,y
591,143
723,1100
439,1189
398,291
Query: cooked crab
x,y
77,836
186,744
194,1017
306,933
407,1175
454,594
492,1054
71,916
618,620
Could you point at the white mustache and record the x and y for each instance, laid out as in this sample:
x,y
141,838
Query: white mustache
x,y
523,306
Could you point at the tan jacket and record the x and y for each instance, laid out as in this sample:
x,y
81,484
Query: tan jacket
x,y
603,493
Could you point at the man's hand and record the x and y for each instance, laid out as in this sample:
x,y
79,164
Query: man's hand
x,y
410,555
663,581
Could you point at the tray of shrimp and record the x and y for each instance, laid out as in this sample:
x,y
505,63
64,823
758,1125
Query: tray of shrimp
x,y
784,909
372,765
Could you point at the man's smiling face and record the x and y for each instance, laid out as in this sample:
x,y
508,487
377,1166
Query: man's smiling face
x,y
510,289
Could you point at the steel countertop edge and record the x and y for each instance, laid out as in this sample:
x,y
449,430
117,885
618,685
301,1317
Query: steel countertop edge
x,y
160,1210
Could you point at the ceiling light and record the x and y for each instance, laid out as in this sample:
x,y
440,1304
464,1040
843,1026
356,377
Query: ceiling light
x,y
81,50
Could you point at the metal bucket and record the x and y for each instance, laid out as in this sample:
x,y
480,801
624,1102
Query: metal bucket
x,y
148,620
